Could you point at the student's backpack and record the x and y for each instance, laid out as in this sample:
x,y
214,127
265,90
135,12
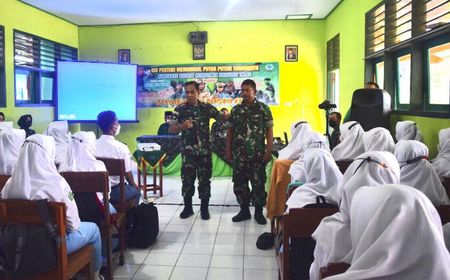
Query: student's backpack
x,y
302,249
146,226
26,249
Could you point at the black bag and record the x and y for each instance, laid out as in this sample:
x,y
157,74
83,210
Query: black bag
x,y
146,226
302,249
265,241
27,249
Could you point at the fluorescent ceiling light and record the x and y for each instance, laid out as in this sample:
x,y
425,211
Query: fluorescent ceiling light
x,y
299,16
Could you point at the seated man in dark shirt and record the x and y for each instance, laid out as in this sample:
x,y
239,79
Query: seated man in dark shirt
x,y
334,120
164,128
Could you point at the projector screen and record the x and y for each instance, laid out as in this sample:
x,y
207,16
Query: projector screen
x,y
84,89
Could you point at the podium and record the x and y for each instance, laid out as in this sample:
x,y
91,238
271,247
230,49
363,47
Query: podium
x,y
153,162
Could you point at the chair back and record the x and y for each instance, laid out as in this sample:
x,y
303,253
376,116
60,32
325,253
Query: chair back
x,y
333,269
3,179
116,167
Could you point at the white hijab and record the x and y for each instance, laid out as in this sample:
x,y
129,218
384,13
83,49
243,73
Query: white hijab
x,y
378,139
322,178
35,177
417,172
294,149
310,140
442,162
351,145
59,130
80,154
407,130
10,142
396,233
333,234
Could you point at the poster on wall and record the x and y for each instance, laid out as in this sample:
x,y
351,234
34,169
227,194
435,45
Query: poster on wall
x,y
163,85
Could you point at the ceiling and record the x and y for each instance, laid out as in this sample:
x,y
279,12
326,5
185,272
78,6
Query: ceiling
x,y
108,12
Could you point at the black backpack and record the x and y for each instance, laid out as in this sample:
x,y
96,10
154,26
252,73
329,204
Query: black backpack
x,y
146,226
26,249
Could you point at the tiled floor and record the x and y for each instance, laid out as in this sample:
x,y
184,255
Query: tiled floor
x,y
196,249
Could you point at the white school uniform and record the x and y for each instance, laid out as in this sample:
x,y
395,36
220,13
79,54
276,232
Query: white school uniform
x,y
10,142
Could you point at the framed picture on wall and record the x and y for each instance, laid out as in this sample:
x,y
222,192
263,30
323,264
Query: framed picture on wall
x,y
124,56
291,53
198,51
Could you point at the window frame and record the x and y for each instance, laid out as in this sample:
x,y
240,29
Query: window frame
x,y
397,55
40,70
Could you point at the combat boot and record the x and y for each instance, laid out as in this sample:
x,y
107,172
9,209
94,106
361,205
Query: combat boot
x,y
204,212
187,211
243,215
259,217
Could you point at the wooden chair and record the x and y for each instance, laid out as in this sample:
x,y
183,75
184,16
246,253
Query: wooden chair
x,y
298,223
85,185
25,211
333,269
343,165
116,167
3,179
142,178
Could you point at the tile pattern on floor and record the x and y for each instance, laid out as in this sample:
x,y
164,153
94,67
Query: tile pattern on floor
x,y
217,249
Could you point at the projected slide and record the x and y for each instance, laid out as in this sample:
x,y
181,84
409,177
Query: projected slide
x,y
87,88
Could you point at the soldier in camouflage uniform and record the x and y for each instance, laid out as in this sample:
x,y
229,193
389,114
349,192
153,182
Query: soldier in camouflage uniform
x,y
249,147
218,136
192,119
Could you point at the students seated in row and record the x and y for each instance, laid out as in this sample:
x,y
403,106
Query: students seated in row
x,y
351,145
310,140
10,142
396,233
416,171
80,157
59,130
293,150
35,177
108,147
378,139
322,178
333,234
442,162
407,130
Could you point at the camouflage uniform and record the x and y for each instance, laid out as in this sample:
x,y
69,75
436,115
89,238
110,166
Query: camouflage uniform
x,y
249,124
196,147
218,138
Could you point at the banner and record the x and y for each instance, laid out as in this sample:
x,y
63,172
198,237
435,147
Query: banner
x,y
163,85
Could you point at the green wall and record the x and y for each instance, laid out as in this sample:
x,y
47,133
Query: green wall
x,y
16,15
301,83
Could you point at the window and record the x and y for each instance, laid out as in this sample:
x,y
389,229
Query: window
x,y
403,80
333,61
2,68
410,54
438,65
35,61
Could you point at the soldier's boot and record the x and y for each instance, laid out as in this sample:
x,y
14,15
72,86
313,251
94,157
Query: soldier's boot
x,y
187,211
243,215
259,217
204,212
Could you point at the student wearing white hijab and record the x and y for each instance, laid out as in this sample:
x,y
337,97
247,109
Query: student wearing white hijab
x,y
59,130
351,145
10,142
80,157
396,233
442,162
407,130
416,171
333,234
293,150
378,139
322,178
35,177
311,139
